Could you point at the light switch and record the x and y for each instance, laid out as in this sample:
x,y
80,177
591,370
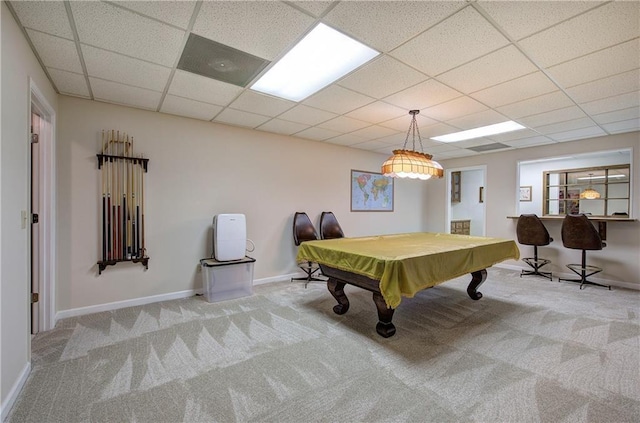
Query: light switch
x,y
23,219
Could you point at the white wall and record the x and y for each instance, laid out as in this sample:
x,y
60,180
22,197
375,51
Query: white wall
x,y
199,169
18,65
619,259
469,206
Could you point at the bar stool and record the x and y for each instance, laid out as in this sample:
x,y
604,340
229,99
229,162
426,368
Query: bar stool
x,y
578,233
531,231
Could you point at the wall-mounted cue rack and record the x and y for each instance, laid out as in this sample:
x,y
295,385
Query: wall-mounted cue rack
x,y
122,201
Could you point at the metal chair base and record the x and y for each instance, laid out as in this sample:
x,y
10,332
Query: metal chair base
x,y
536,264
310,271
582,271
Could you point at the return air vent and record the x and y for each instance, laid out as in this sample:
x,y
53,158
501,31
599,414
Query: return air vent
x,y
488,147
217,61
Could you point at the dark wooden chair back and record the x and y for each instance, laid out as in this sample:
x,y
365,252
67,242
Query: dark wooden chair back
x,y
531,231
329,226
303,229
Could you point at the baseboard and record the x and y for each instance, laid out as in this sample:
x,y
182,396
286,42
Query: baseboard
x,y
154,299
126,303
5,408
280,278
619,284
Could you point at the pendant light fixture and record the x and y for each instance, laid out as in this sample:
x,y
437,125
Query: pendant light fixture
x,y
589,193
411,163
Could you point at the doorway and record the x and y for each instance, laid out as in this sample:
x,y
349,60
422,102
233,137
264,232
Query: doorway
x,y
42,211
465,203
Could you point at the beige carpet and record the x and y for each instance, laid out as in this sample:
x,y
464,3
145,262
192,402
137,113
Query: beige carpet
x,y
531,350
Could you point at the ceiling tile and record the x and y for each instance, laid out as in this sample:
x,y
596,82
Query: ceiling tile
x,y
318,134
500,66
616,22
377,112
623,126
484,118
124,94
371,145
240,118
374,132
436,130
263,28
453,109
402,123
463,37
118,68
609,104
116,29
618,115
565,126
529,142
423,95
343,124
69,83
346,139
606,87
315,7
336,99
532,106
252,102
382,77
46,16
442,148
196,87
189,108
176,13
603,63
578,134
518,89
56,52
514,135
307,115
280,126
523,18
384,25
460,152
555,116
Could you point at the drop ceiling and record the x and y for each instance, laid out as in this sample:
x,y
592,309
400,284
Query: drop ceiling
x,y
566,70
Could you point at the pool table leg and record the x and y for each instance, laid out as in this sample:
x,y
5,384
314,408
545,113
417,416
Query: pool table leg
x,y
477,279
336,288
384,327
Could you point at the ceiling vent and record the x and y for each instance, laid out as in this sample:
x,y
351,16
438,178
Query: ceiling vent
x,y
217,61
488,147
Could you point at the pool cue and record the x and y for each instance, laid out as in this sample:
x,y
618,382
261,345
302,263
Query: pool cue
x,y
142,253
104,203
107,164
138,223
132,164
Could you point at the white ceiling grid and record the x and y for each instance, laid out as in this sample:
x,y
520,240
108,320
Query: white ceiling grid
x,y
566,70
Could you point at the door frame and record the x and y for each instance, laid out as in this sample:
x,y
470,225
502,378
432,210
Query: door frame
x,y
448,172
46,227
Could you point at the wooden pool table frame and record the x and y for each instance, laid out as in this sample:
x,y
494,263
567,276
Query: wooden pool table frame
x,y
339,278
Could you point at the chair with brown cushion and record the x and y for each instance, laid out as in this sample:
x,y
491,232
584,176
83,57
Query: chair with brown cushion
x,y
531,231
578,233
303,230
329,226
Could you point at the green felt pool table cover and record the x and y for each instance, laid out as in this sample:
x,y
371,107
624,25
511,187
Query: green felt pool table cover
x,y
407,263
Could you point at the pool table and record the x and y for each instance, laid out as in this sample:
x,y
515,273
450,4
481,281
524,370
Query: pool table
x,y
401,265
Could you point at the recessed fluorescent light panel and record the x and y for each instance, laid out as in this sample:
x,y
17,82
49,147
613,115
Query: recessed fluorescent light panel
x,y
483,131
321,57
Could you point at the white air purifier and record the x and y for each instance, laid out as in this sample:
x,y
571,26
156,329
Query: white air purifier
x,y
229,236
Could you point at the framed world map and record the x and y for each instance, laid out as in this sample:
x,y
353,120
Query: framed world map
x,y
371,191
